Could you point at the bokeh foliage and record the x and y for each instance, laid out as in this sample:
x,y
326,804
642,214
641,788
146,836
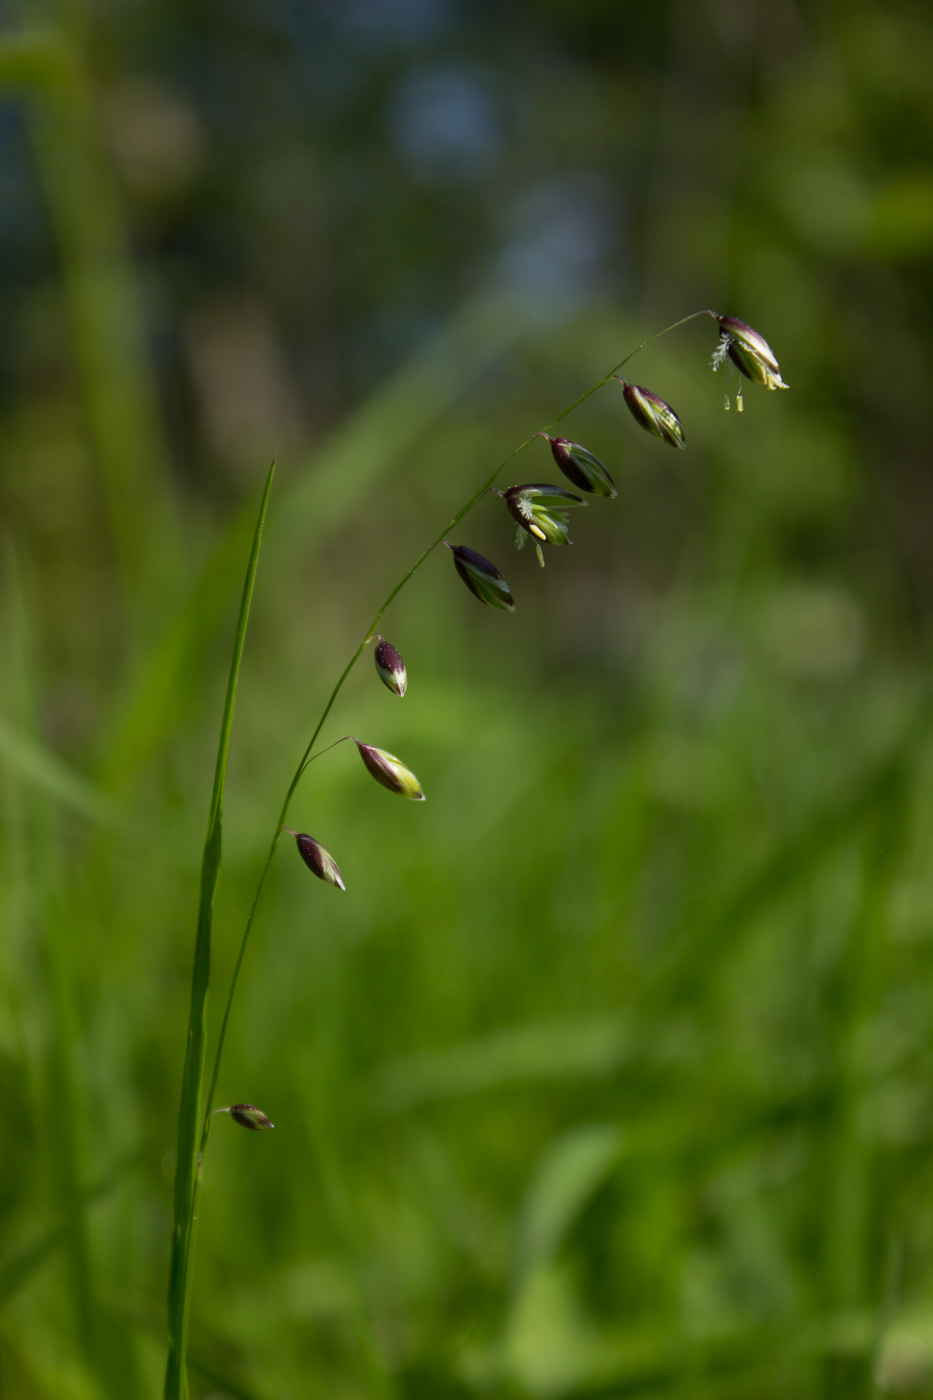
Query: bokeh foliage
x,y
610,1075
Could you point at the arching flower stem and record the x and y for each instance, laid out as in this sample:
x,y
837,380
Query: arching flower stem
x,y
308,756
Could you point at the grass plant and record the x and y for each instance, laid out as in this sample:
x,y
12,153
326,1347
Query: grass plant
x,y
610,1076
543,523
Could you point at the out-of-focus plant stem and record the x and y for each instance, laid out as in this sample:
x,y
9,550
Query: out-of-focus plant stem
x,y
48,65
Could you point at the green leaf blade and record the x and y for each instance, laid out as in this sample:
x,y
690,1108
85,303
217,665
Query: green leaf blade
x,y
189,1113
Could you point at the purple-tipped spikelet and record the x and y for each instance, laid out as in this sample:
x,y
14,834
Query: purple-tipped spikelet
x,y
391,667
390,772
654,415
541,510
580,466
320,862
749,352
249,1116
481,577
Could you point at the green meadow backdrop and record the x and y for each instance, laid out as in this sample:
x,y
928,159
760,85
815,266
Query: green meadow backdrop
x,y
611,1074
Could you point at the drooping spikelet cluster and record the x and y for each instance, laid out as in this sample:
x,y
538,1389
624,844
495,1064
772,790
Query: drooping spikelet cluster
x,y
541,513
540,509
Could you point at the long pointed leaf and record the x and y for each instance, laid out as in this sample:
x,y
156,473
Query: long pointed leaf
x,y
189,1113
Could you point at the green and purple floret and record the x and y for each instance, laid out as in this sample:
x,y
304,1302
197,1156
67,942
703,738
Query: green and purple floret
x,y
749,352
540,511
320,862
248,1116
654,415
390,772
390,667
581,467
481,577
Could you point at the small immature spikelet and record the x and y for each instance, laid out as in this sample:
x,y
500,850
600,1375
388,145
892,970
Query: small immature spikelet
x,y
749,352
391,667
249,1116
390,772
580,466
654,415
541,510
318,861
481,577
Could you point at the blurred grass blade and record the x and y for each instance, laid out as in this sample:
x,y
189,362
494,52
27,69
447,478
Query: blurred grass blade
x,y
214,1371
17,1270
104,299
50,933
189,1113
788,865
28,57
169,677
314,1074
567,1176
389,422
547,1050
321,496
40,765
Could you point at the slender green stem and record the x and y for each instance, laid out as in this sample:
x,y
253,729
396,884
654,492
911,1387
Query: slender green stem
x,y
306,757
187,1164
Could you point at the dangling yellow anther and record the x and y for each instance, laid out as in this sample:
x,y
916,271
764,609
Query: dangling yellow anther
x,y
739,405
725,402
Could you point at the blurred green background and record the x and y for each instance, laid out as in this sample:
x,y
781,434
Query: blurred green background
x,y
611,1074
